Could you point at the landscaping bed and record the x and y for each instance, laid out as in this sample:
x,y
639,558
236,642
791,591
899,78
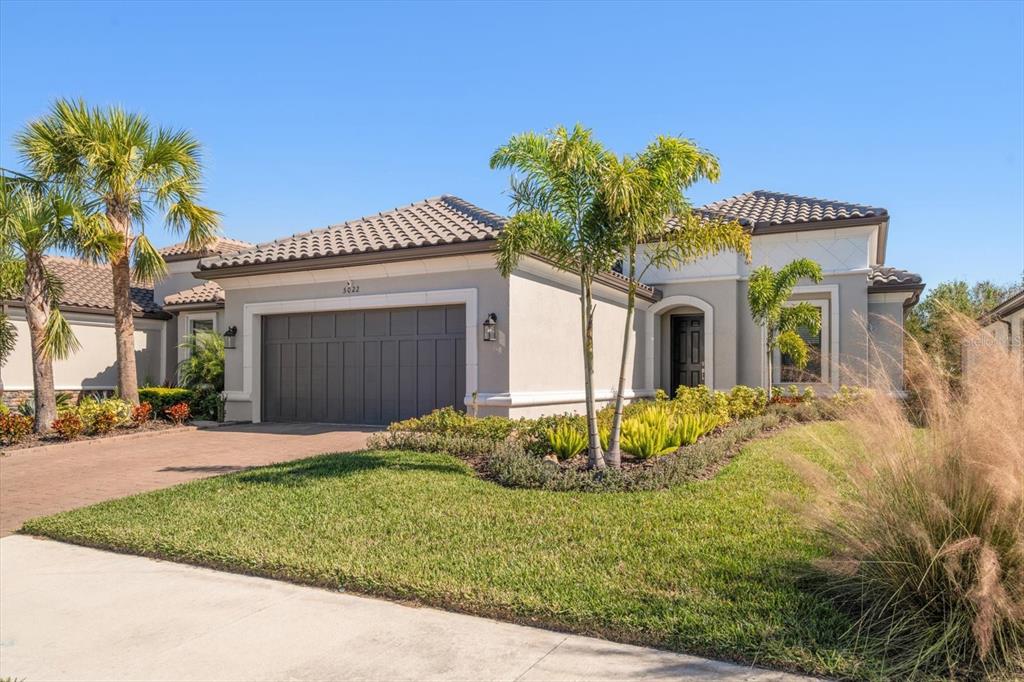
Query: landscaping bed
x,y
33,440
706,567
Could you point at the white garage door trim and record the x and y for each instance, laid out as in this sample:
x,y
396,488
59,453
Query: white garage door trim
x,y
252,341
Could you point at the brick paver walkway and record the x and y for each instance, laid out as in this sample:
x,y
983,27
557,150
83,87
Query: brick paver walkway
x,y
50,479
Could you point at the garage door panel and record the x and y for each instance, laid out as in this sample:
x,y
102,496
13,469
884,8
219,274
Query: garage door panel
x,y
323,326
362,367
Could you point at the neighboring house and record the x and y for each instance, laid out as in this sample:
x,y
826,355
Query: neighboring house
x,y
1005,322
163,316
385,317
88,305
396,314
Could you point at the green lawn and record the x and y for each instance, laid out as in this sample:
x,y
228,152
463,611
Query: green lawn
x,y
706,568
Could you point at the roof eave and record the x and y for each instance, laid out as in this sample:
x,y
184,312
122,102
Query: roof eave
x,y
350,259
86,310
767,228
914,289
203,305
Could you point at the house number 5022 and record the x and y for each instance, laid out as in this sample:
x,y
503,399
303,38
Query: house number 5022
x,y
350,288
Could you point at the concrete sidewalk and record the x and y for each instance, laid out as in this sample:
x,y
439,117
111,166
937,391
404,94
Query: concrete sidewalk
x,y
71,613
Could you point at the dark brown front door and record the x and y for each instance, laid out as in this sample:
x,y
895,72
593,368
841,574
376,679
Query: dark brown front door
x,y
687,351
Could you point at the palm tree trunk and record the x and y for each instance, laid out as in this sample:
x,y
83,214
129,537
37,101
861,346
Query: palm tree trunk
x,y
124,323
37,312
614,455
594,458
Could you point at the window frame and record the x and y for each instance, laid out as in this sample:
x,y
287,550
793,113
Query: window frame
x,y
825,307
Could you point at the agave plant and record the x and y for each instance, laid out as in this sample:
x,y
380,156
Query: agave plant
x,y
566,441
649,434
691,426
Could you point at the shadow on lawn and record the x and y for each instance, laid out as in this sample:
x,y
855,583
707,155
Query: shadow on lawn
x,y
345,464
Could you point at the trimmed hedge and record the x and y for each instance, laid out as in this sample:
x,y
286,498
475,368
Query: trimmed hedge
x,y
160,397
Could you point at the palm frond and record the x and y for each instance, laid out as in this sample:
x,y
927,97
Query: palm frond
x,y
59,340
800,316
792,346
148,265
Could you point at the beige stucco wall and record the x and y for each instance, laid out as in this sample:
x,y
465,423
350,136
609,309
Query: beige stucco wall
x,y
460,272
546,346
95,365
885,324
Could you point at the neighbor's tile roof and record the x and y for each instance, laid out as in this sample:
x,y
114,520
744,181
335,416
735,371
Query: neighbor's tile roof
x,y
220,245
441,220
207,292
91,286
761,208
883,276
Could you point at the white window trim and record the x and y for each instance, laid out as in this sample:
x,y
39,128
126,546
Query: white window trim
x,y
189,317
251,331
826,347
709,335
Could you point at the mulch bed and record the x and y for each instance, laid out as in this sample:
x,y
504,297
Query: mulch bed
x,y
34,440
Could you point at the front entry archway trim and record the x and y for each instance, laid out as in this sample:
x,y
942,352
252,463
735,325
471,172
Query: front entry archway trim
x,y
709,336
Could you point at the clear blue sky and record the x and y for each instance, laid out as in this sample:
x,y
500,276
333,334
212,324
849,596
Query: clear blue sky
x,y
316,113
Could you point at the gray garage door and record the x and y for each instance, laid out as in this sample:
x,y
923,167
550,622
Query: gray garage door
x,y
363,366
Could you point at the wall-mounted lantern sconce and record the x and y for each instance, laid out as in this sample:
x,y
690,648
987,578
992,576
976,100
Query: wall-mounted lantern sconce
x,y
490,328
229,336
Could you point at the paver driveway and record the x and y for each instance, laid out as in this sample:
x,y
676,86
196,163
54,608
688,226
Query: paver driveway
x,y
50,479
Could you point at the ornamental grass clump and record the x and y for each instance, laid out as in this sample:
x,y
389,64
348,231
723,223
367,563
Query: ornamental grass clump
x,y
927,525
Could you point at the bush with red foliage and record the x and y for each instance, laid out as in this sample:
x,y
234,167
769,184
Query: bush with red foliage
x,y
68,426
14,427
142,413
178,413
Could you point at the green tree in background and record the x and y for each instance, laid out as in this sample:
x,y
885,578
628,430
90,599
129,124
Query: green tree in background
x,y
928,322
124,169
767,296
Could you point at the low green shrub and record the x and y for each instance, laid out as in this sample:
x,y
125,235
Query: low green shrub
x,y
701,399
745,402
566,441
102,416
14,427
161,397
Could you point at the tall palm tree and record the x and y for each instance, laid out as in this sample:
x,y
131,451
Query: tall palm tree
x,y
33,221
124,168
644,202
767,295
555,185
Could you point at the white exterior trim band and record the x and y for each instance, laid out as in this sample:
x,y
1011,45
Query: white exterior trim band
x,y
537,398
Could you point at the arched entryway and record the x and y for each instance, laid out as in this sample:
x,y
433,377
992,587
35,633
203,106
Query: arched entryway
x,y
687,323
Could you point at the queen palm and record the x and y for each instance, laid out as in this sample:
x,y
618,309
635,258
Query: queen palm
x,y
644,202
767,295
34,220
554,198
125,169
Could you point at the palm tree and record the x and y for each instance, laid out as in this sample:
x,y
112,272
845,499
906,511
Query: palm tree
x,y
33,221
555,185
125,169
645,206
767,295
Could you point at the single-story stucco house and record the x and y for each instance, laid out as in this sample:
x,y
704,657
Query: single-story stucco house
x,y
1006,323
395,314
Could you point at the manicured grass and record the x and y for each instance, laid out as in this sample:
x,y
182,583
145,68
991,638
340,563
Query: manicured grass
x,y
707,568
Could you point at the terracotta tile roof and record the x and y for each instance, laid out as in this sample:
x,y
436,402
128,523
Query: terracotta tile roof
x,y
91,286
441,220
761,208
207,292
220,245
